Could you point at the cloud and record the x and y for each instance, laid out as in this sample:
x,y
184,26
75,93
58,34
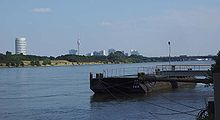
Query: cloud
x,y
104,23
41,10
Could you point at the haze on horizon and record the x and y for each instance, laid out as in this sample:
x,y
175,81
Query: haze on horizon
x,y
52,26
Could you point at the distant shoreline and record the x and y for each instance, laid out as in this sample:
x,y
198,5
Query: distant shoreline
x,y
118,57
54,63
61,63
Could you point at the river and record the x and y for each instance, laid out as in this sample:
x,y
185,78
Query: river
x,y
63,93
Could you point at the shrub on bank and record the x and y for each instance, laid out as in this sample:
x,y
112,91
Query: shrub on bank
x,y
216,66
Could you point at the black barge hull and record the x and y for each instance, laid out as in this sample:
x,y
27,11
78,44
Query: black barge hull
x,y
118,85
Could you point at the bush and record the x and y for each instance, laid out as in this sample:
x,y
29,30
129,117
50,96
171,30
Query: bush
x,y
12,64
22,64
32,63
8,64
46,62
35,63
216,66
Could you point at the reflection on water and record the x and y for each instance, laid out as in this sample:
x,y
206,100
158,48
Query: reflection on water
x,y
183,104
115,97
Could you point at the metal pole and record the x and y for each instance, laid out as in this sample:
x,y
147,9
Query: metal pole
x,y
78,49
78,42
169,51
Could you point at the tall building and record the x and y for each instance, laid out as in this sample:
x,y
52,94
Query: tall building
x,y
21,46
103,53
72,52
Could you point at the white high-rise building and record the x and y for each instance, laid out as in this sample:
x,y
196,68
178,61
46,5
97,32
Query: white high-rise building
x,y
20,46
103,53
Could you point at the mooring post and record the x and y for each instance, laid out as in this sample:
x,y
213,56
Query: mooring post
x,y
211,108
139,75
91,81
90,75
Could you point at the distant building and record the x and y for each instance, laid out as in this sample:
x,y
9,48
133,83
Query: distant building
x,y
134,52
183,56
103,53
111,51
99,53
96,53
72,52
21,46
89,54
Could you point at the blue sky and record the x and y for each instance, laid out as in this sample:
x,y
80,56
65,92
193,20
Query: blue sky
x,y
52,26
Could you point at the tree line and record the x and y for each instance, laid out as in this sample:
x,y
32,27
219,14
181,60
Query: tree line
x,y
117,57
17,60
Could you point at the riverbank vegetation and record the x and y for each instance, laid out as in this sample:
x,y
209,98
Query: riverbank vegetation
x,y
19,60
216,66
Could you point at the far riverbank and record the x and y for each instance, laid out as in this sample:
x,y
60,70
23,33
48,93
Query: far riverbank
x,y
52,63
118,57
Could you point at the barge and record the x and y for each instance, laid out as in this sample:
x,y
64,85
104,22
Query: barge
x,y
144,82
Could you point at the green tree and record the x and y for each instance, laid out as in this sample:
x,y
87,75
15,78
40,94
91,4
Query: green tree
x,y
8,64
17,64
216,66
116,57
8,53
52,58
32,63
46,62
22,64
137,59
12,64
37,63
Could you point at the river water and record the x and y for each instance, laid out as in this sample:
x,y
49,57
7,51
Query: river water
x,y
62,93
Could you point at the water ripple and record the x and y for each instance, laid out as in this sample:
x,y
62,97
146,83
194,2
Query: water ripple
x,y
33,97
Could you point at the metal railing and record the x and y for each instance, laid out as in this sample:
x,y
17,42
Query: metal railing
x,y
130,71
157,70
183,70
182,67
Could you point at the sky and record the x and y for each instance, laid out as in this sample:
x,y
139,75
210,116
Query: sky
x,y
52,26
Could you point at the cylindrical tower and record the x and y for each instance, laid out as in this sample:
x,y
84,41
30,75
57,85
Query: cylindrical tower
x,y
20,46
